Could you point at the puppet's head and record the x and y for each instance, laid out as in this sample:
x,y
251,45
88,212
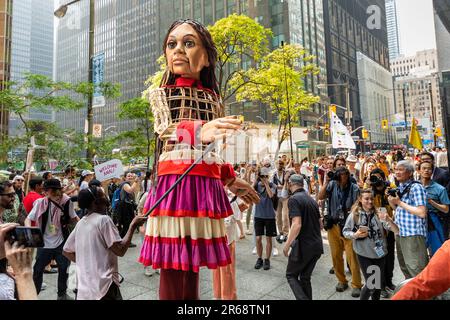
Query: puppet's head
x,y
190,52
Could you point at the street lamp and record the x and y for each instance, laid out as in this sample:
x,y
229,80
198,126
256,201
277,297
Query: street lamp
x,y
60,13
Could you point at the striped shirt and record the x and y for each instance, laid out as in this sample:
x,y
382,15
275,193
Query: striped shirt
x,y
409,224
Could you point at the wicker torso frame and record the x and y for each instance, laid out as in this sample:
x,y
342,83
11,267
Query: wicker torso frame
x,y
172,105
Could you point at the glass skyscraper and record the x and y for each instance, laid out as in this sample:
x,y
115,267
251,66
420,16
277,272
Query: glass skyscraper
x,y
5,58
392,28
131,34
32,48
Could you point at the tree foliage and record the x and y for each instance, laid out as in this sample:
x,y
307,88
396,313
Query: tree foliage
x,y
237,38
139,141
280,75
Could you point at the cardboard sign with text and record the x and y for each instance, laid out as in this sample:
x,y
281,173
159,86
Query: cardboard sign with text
x,y
108,170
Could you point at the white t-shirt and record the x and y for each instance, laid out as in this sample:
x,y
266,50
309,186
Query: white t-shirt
x,y
84,185
6,287
97,265
306,170
53,236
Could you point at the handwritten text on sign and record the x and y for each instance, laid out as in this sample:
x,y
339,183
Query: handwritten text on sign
x,y
108,170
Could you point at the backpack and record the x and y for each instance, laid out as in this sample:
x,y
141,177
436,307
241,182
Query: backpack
x,y
65,219
116,198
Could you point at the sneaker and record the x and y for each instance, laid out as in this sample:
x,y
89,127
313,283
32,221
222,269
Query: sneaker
x,y
43,286
248,232
274,252
51,271
385,294
356,292
254,251
331,271
64,297
259,264
341,287
285,238
279,238
266,264
149,271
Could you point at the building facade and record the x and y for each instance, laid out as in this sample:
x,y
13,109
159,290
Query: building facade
x,y
402,66
377,100
126,32
442,27
352,26
392,28
32,49
131,34
6,7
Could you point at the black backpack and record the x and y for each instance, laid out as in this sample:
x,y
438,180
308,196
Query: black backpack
x,y
65,219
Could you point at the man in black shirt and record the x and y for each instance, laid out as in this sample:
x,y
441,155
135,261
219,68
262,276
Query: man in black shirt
x,y
304,239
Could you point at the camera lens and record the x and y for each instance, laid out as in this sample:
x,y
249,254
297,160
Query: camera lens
x,y
330,175
374,179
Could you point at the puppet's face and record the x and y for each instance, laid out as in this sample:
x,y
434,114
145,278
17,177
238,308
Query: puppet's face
x,y
186,56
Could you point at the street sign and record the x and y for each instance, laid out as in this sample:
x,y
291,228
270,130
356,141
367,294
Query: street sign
x,y
98,71
97,130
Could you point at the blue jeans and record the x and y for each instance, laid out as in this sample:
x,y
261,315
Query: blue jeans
x,y
43,258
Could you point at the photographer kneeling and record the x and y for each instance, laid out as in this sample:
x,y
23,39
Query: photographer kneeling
x,y
409,203
379,185
341,194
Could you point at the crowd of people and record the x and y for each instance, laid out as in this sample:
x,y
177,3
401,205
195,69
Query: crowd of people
x,y
374,208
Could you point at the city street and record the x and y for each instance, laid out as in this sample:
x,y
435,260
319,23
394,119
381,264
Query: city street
x,y
251,284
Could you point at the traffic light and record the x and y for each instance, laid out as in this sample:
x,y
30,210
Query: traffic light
x,y
384,124
332,109
365,133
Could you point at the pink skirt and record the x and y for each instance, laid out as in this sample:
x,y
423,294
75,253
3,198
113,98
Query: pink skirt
x,y
186,231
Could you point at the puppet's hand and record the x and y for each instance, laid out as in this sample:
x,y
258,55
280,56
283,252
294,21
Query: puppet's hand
x,y
219,128
245,191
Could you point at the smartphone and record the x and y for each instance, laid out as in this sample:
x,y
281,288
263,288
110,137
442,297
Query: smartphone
x,y
27,237
364,228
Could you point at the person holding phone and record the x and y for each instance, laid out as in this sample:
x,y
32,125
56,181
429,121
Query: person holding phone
x,y
380,184
366,226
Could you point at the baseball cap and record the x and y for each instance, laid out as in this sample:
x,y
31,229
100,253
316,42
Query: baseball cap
x,y
296,179
86,172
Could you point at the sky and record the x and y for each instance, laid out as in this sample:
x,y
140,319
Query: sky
x,y
416,25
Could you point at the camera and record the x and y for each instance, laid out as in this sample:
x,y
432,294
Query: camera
x,y
374,179
393,193
332,175
27,237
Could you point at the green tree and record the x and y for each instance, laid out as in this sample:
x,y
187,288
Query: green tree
x,y
238,39
280,72
139,141
41,93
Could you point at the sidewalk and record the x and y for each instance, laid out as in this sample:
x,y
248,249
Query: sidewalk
x,y
251,284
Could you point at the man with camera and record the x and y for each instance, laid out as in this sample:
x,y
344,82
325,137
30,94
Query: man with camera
x,y
264,218
341,194
53,214
409,203
379,185
305,239
282,216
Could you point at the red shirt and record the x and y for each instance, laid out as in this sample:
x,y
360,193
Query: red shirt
x,y
29,200
432,281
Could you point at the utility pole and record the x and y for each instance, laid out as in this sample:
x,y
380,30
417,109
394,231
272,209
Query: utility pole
x,y
404,111
90,110
433,114
287,100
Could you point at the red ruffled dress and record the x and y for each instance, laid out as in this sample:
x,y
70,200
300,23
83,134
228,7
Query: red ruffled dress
x,y
187,231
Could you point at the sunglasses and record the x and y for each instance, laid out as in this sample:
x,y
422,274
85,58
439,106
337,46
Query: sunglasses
x,y
11,195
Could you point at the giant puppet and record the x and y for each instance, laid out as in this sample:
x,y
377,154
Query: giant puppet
x,y
186,230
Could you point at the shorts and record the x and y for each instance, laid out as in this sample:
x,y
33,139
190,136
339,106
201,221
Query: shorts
x,y
268,225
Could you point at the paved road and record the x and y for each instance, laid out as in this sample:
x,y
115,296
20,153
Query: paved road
x,y
251,284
